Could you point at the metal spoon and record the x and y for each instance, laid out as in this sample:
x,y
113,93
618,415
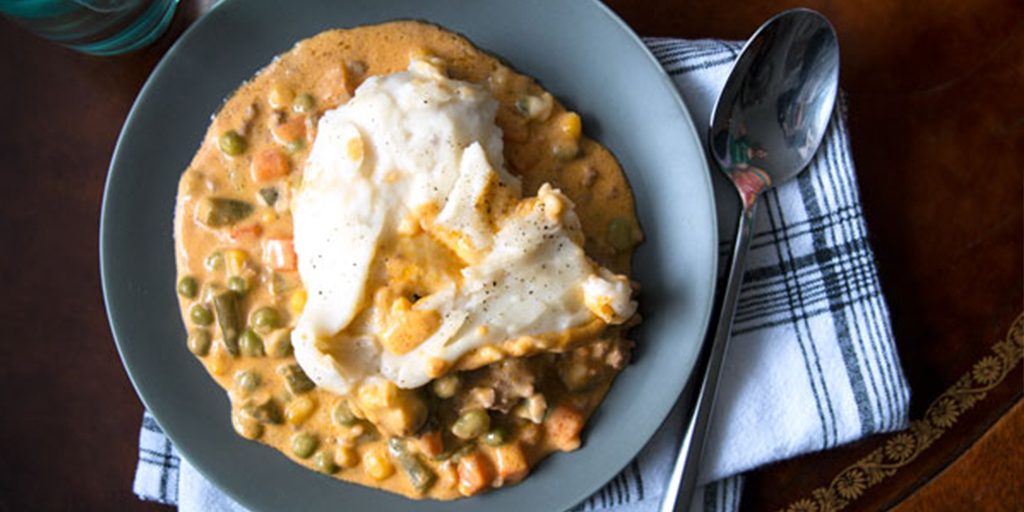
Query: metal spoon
x,y
766,126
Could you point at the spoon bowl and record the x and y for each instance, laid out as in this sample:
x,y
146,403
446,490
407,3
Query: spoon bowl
x,y
775,106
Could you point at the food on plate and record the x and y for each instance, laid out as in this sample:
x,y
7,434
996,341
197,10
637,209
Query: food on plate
x,y
405,263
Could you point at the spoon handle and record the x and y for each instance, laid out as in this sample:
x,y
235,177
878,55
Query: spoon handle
x,y
683,480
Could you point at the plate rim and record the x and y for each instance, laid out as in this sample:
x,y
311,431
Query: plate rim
x,y
106,272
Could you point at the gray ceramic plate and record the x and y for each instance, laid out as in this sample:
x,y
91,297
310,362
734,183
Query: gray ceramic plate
x,y
583,54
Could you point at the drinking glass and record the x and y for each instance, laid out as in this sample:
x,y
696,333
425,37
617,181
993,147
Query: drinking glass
x,y
99,27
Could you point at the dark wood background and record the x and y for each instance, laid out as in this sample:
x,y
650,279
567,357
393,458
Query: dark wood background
x,y
936,112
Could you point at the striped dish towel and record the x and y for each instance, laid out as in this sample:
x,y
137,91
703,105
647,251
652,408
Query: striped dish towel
x,y
812,364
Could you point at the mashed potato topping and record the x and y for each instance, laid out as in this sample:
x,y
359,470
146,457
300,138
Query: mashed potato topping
x,y
416,153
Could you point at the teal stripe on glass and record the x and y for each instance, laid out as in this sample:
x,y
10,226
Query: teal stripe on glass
x,y
99,27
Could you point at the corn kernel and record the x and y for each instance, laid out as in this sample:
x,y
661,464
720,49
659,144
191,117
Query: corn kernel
x,y
297,301
346,456
219,363
354,149
449,477
537,108
570,124
376,463
235,259
377,395
280,96
299,410
268,216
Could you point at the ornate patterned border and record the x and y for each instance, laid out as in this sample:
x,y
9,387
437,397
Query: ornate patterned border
x,y
903,447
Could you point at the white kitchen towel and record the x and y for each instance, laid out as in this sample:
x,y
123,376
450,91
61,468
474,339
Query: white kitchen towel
x,y
812,364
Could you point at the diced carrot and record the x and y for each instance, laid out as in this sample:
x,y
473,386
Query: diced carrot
x,y
291,130
563,426
279,254
475,473
244,232
268,165
511,463
449,477
430,443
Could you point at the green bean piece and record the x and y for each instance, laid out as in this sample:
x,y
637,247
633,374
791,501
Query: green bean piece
x,y
247,380
324,463
303,445
215,261
343,415
497,436
238,284
232,143
620,233
199,342
471,424
419,476
188,287
230,322
269,195
218,212
266,319
265,412
296,379
200,315
251,344
304,103
447,386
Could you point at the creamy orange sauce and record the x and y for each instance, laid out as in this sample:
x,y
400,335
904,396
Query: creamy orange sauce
x,y
274,123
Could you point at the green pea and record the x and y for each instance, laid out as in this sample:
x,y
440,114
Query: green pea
x,y
303,445
266,319
199,342
447,386
497,436
238,284
231,143
280,343
325,463
215,261
247,380
269,195
343,415
188,287
296,145
523,105
471,424
200,315
303,103
251,344
278,284
620,233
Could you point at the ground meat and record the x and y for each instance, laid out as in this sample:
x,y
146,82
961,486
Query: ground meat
x,y
593,363
511,381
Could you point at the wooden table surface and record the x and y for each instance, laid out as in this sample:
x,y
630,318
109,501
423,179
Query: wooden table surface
x,y
936,112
